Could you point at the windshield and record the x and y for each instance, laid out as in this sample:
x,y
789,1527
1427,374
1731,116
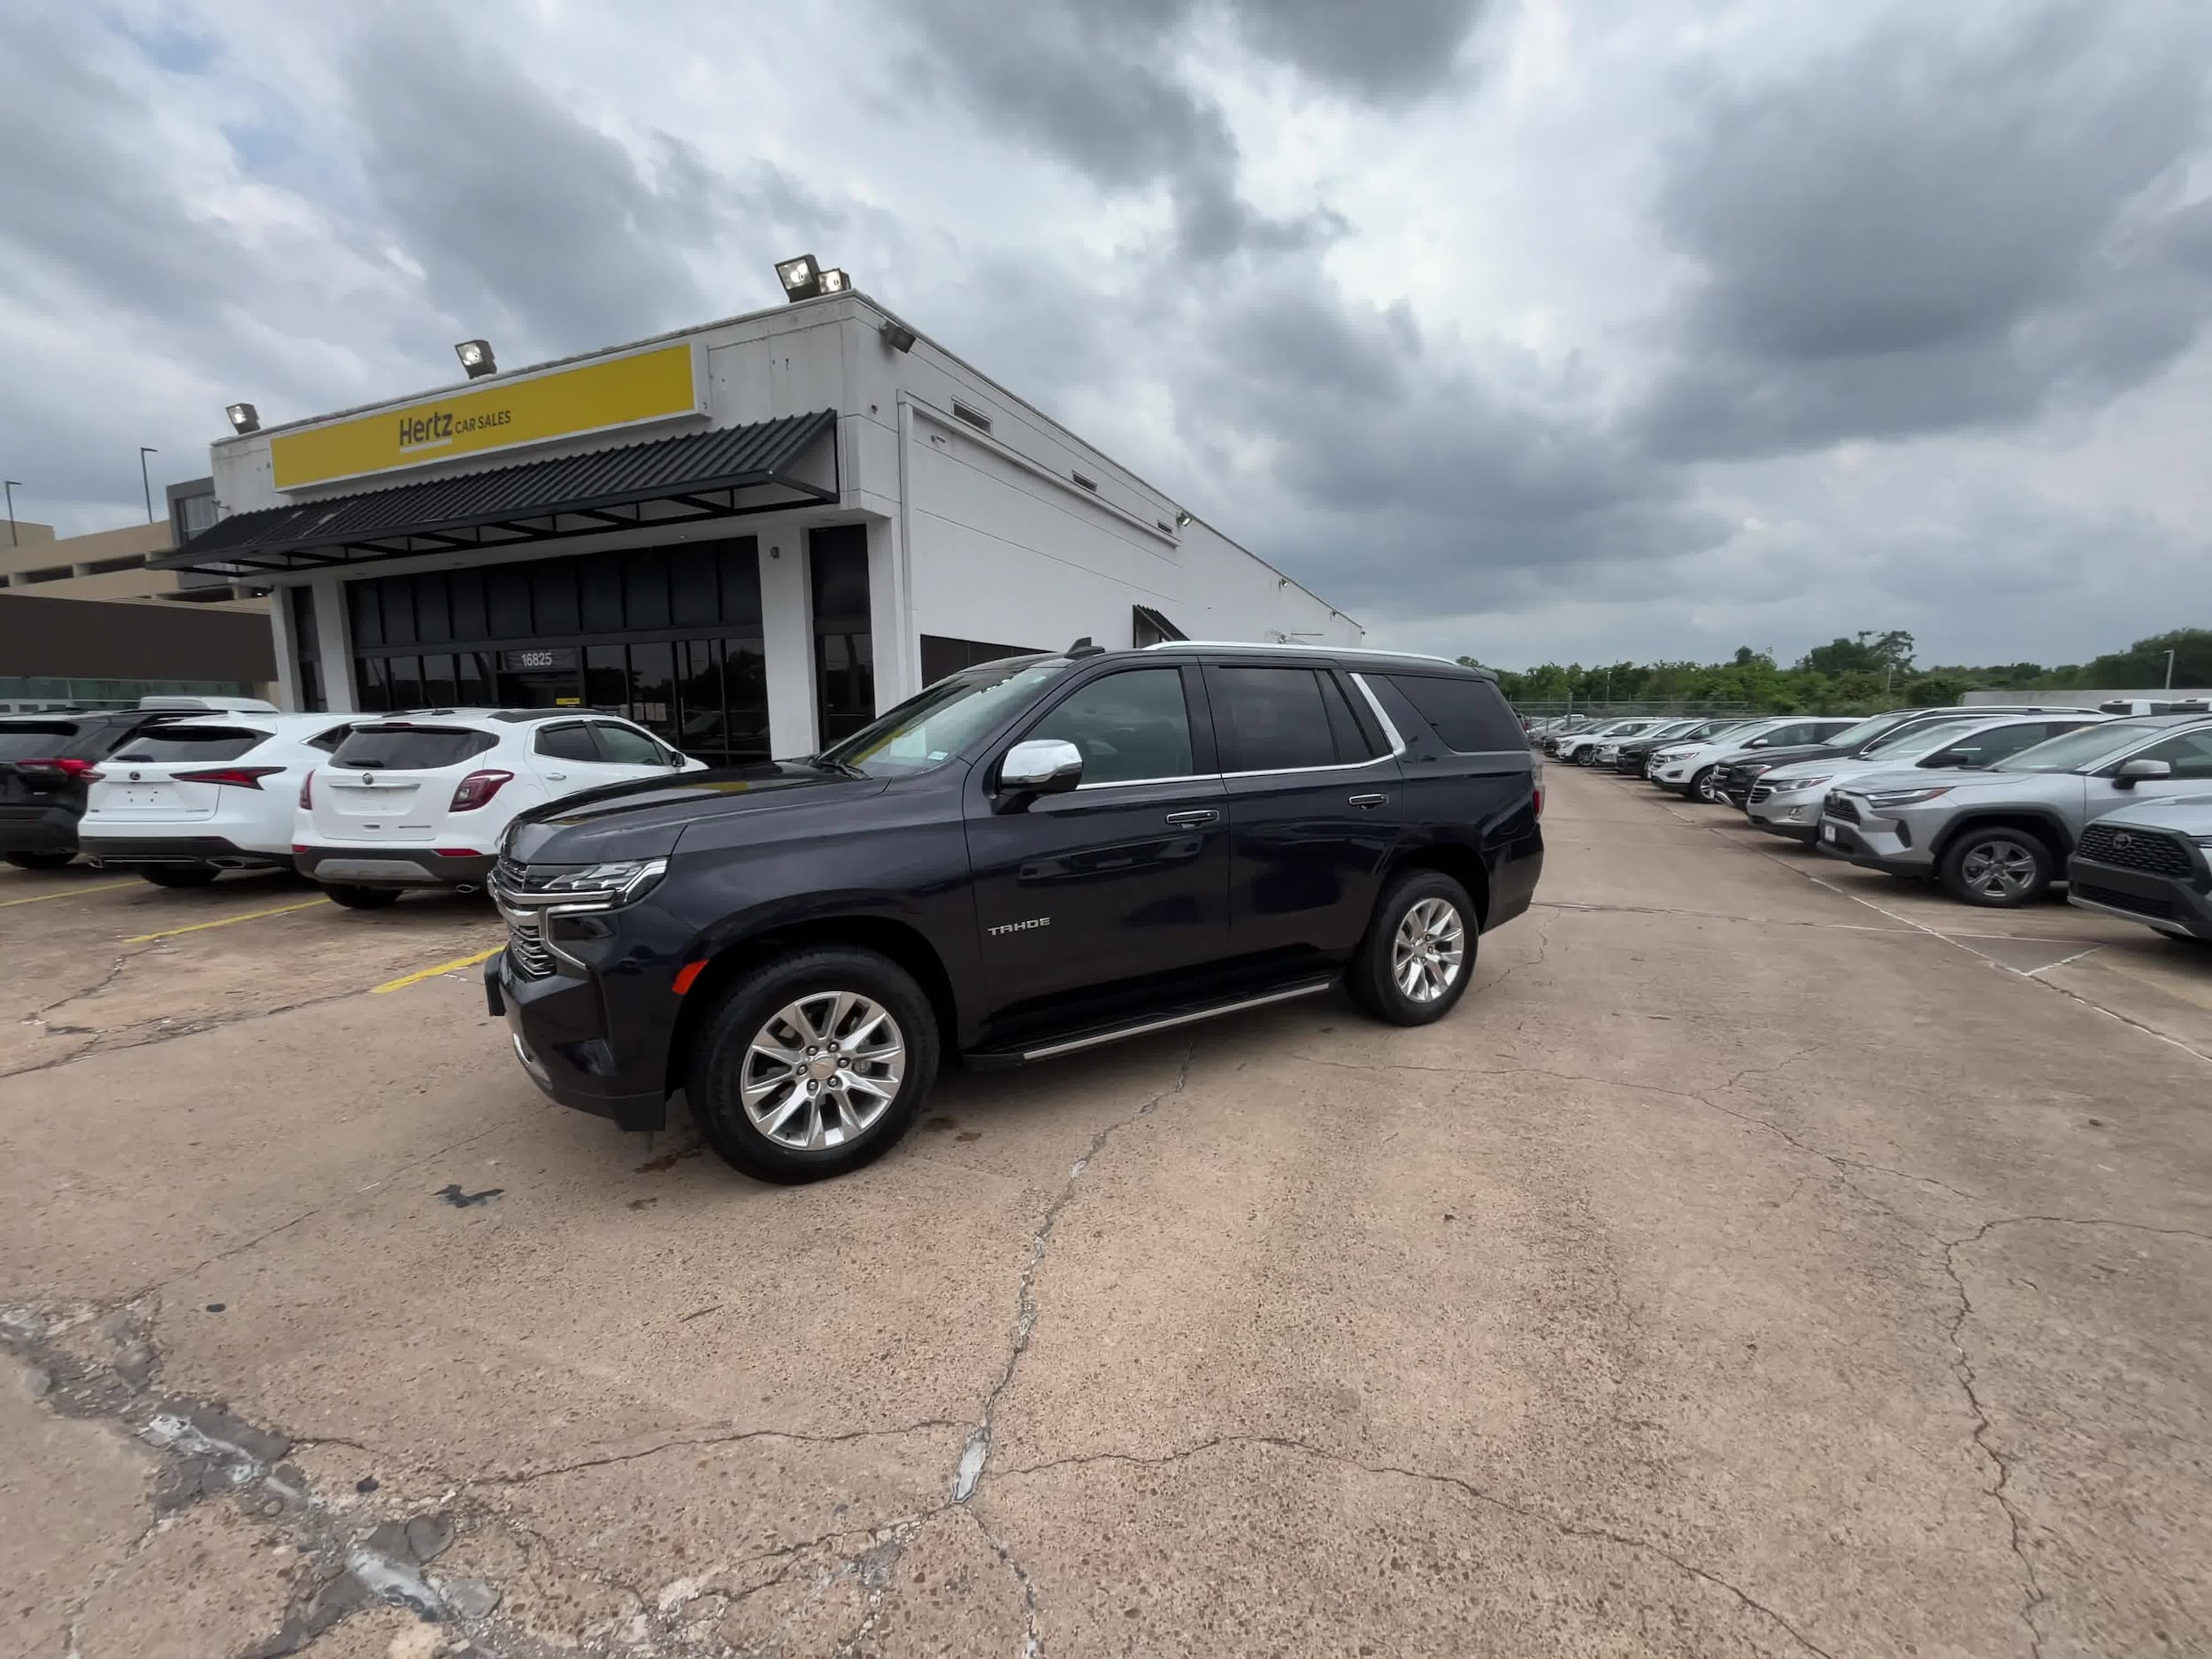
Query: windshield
x,y
2077,752
927,731
1916,741
1865,731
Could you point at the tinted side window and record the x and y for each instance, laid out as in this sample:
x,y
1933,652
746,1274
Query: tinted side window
x,y
568,741
1468,714
2189,754
1130,726
1271,719
409,748
626,747
1351,739
191,742
329,742
1985,747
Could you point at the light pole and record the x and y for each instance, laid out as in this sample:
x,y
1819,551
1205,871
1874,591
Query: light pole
x,y
13,484
145,482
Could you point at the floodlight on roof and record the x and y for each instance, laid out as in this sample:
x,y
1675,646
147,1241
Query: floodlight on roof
x,y
476,357
802,278
244,417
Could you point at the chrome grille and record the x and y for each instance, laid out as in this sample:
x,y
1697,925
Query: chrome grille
x,y
526,951
1761,792
2147,850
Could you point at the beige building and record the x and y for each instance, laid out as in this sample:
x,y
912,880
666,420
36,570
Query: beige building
x,y
105,564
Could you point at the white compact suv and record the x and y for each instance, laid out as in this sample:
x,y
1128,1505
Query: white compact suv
x,y
187,799
420,800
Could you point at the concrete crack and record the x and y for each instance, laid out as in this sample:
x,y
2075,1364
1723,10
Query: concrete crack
x,y
2000,1490
1565,1527
976,1453
182,1028
1032,1636
730,1438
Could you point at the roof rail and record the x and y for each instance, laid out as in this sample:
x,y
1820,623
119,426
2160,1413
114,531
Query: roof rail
x,y
1294,645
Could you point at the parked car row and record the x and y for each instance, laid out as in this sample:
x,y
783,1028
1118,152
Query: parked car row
x,y
1996,805
183,789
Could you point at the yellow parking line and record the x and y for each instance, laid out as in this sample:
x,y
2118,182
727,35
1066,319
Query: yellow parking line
x,y
67,893
251,916
406,979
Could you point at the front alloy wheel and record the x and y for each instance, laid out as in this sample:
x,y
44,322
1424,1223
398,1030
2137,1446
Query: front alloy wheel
x,y
823,1070
1706,785
1998,869
811,1063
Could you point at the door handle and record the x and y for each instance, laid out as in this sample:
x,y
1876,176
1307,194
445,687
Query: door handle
x,y
1201,815
558,777
1370,799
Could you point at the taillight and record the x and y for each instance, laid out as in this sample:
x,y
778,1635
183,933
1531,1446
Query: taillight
x,y
68,768
476,789
307,791
237,776
1539,800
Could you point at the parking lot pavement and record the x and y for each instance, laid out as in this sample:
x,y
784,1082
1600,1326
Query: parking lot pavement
x,y
1744,1269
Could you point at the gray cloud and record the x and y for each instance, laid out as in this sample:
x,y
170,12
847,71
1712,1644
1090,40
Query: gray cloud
x,y
1937,227
1096,84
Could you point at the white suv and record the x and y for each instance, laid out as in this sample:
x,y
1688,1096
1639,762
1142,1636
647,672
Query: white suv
x,y
422,800
185,800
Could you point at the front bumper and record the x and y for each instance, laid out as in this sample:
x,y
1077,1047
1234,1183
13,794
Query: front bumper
x,y
2172,904
30,828
1779,815
1877,844
129,851
369,865
591,1008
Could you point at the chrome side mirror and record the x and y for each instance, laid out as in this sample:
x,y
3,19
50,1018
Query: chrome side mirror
x,y
1042,766
2134,772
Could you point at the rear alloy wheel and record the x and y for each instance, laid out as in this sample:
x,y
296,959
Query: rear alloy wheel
x,y
41,861
1997,869
179,875
355,898
1706,785
813,1065
1419,952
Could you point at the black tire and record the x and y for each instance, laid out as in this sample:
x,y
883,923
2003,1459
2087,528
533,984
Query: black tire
x,y
41,861
750,1008
1997,868
179,875
355,898
1370,976
1705,787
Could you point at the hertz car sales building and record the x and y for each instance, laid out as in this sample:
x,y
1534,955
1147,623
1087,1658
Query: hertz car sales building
x,y
750,537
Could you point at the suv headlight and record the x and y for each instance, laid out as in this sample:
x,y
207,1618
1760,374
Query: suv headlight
x,y
1889,798
1792,784
1670,754
607,886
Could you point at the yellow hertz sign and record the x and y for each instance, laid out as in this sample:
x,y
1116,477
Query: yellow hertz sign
x,y
565,404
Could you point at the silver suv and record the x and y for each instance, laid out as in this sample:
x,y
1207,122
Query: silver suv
x,y
1998,838
2151,864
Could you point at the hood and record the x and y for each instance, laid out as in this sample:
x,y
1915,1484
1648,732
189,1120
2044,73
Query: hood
x,y
643,819
1939,778
2190,814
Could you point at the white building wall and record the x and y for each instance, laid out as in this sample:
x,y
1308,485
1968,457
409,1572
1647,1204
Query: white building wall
x,y
985,538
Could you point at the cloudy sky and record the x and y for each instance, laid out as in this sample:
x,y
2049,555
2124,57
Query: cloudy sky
x,y
1528,328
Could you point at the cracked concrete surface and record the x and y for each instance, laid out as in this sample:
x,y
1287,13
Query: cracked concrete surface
x,y
1761,1262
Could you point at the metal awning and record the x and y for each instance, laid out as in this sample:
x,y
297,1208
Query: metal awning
x,y
725,474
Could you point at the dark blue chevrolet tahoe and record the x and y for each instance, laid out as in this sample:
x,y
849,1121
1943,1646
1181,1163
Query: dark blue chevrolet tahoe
x,y
1031,858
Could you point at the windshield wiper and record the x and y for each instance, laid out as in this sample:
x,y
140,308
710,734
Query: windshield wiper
x,y
845,766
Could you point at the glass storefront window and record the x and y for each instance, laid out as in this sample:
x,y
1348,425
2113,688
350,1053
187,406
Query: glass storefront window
x,y
668,636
